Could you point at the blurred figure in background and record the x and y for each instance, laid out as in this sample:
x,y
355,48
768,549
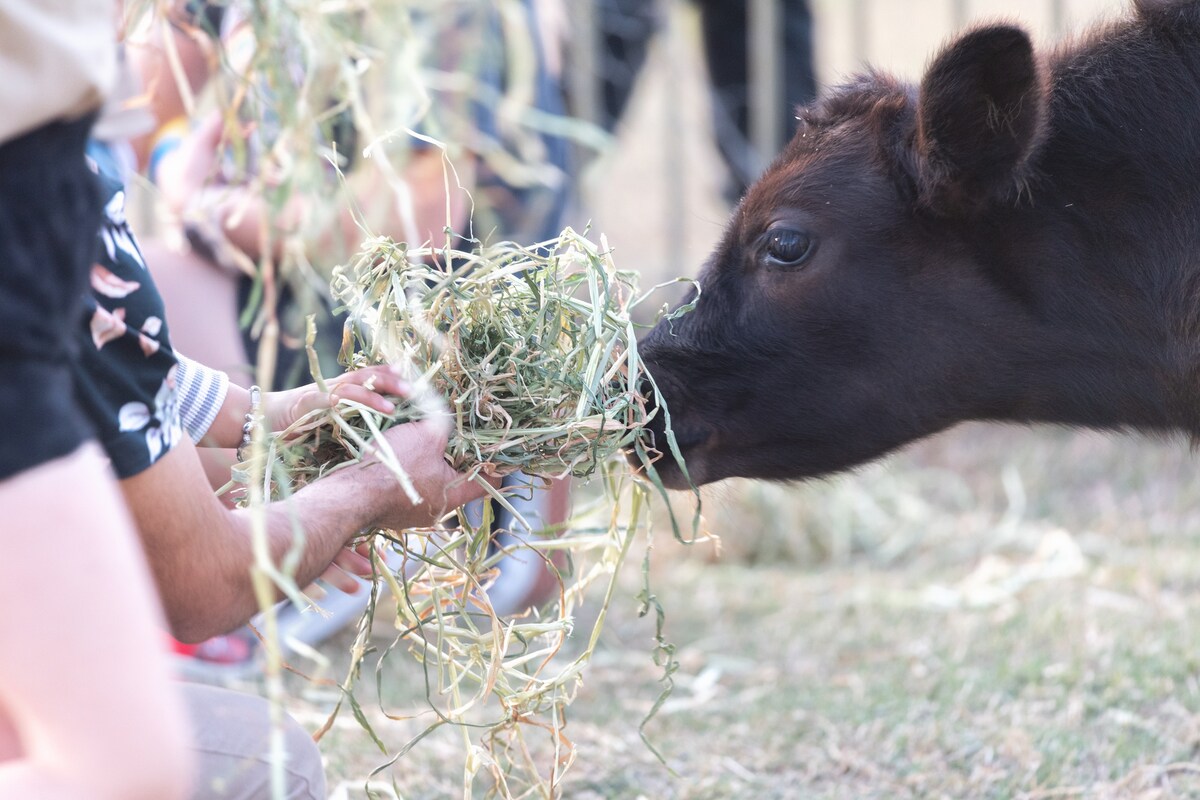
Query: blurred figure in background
x,y
627,27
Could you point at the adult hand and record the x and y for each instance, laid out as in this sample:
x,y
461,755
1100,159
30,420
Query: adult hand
x,y
228,217
349,564
368,386
420,447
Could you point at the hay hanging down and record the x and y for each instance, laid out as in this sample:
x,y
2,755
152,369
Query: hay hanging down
x,y
532,352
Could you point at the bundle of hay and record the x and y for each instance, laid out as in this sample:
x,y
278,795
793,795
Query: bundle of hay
x,y
532,352
530,349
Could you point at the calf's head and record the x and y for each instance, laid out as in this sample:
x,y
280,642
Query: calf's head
x,y
845,311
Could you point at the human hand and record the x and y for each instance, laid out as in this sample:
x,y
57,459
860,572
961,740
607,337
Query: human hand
x,y
367,386
351,563
420,447
227,216
185,171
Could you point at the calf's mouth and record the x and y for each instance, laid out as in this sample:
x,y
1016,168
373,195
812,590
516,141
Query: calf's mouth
x,y
690,440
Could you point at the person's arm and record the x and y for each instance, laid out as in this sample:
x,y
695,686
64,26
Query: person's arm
x,y
200,551
86,704
368,386
202,393
185,178
213,410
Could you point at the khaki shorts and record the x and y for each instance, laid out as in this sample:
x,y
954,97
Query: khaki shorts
x,y
231,734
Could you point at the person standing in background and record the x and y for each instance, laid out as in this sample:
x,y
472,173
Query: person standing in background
x,y
627,27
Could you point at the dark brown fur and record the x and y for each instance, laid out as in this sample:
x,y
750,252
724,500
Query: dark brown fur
x,y
1017,239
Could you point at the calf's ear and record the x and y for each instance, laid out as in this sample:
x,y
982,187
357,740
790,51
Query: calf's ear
x,y
980,116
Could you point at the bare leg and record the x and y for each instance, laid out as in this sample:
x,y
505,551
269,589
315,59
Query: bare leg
x,y
10,742
73,581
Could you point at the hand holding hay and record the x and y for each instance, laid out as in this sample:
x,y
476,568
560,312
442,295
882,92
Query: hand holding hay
x,y
530,350
431,478
529,356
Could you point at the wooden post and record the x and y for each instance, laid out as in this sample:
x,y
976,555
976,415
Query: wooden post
x,y
674,216
860,32
585,70
960,11
765,53
1058,19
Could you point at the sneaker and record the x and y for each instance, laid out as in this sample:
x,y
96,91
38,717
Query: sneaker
x,y
219,660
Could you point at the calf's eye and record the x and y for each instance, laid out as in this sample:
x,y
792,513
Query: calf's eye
x,y
787,247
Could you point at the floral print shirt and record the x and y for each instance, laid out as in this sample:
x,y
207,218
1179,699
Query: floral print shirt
x,y
126,368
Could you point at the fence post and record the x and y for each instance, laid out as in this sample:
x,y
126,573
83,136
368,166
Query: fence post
x,y
674,225
959,12
766,78
584,79
859,32
1058,18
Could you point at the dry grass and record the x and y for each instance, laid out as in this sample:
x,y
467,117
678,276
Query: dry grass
x,y
992,643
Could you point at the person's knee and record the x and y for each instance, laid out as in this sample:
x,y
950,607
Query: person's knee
x,y
233,740
305,772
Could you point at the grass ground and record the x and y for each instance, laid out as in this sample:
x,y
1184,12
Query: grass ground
x,y
997,613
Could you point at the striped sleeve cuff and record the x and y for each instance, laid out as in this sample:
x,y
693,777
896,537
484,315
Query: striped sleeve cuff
x,y
201,393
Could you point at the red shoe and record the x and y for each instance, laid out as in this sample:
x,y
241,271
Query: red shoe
x,y
218,660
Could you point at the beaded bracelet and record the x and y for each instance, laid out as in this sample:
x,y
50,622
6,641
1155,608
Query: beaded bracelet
x,y
252,418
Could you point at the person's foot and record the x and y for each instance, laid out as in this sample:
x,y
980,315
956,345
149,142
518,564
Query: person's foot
x,y
526,579
309,627
220,659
